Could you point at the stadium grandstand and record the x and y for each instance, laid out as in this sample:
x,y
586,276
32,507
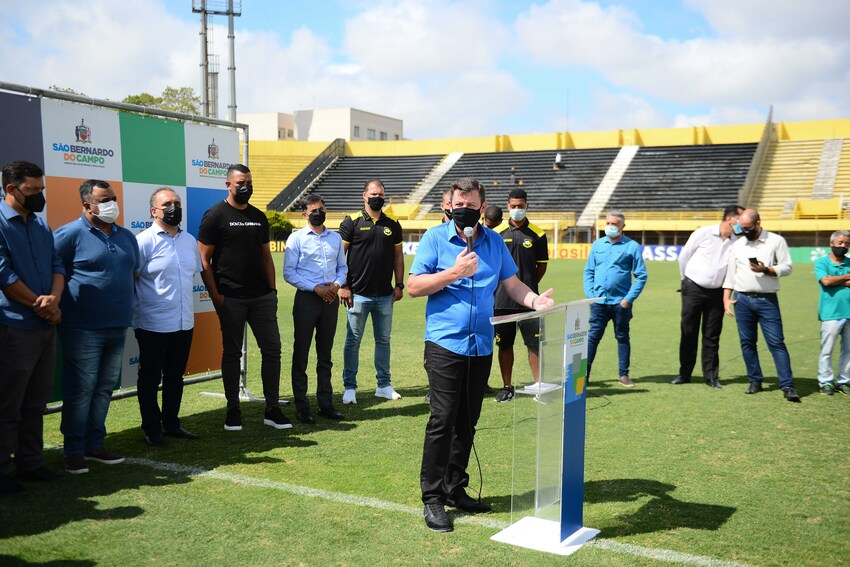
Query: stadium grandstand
x,y
667,181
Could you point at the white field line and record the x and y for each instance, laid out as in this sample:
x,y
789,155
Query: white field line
x,y
341,497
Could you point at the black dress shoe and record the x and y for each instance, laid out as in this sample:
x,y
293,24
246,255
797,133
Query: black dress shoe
x,y
791,394
712,383
181,433
681,380
40,474
436,518
755,388
469,504
8,486
305,417
331,413
154,440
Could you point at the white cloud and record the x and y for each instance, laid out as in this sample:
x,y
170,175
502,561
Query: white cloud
x,y
415,39
614,111
749,63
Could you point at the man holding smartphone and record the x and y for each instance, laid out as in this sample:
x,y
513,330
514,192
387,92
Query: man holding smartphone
x,y
757,262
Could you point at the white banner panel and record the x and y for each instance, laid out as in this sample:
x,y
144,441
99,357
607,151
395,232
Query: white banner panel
x,y
209,152
80,141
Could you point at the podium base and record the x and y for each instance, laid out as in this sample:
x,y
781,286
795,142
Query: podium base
x,y
544,535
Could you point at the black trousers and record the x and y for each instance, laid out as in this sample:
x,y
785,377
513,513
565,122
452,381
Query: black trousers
x,y
706,305
310,313
455,408
27,370
261,315
162,358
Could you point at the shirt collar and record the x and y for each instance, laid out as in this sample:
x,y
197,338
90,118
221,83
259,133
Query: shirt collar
x,y
8,211
368,217
452,231
90,226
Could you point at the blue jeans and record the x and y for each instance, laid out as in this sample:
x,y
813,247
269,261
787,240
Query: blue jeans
x,y
600,314
91,366
830,331
381,308
750,312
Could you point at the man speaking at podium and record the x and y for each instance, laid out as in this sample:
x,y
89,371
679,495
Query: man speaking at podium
x,y
458,265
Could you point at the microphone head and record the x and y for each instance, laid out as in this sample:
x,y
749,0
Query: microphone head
x,y
467,232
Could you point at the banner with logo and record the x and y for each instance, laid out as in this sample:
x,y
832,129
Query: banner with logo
x,y
136,154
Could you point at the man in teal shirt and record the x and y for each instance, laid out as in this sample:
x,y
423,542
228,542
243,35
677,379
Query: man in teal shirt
x,y
612,261
833,274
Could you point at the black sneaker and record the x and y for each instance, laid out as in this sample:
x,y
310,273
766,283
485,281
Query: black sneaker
x,y
436,518
827,389
233,421
275,418
791,394
844,389
468,504
102,456
506,394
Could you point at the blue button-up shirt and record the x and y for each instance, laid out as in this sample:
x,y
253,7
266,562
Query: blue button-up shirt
x,y
314,259
27,254
98,275
447,313
164,302
609,268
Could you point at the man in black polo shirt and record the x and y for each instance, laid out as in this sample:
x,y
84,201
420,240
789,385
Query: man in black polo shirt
x,y
372,242
529,249
238,272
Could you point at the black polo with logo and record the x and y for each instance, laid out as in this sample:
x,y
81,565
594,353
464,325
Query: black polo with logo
x,y
528,247
371,252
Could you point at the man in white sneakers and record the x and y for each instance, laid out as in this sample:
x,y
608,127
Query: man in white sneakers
x,y
372,242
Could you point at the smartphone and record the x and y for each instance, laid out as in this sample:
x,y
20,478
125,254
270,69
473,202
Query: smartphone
x,y
754,260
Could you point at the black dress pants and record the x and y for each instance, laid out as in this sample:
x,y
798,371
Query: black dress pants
x,y
311,313
455,408
162,358
704,305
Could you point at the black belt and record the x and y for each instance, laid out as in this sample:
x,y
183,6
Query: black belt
x,y
754,294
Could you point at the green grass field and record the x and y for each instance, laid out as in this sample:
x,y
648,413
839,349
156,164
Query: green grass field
x,y
684,474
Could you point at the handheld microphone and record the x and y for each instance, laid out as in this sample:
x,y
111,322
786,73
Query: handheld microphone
x,y
468,232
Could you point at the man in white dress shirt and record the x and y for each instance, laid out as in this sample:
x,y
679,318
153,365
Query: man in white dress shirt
x,y
757,262
164,316
702,267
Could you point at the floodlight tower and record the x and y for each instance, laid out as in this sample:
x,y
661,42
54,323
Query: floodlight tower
x,y
209,76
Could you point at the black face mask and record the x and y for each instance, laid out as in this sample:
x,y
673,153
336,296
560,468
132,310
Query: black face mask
x,y
751,234
376,203
465,217
839,251
34,203
172,215
317,218
448,213
243,194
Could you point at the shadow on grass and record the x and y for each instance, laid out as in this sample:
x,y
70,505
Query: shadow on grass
x,y
49,506
11,561
661,512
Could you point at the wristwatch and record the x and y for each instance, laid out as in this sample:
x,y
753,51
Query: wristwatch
x,y
400,285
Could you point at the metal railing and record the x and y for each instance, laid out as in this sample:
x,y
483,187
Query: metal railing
x,y
302,181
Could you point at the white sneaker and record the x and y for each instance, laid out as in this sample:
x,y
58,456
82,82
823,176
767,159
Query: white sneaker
x,y
349,397
387,392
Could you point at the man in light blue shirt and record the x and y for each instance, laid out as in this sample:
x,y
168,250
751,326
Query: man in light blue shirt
x,y
461,288
612,262
314,263
164,316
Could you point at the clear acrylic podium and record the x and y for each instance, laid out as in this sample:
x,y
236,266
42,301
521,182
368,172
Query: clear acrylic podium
x,y
547,483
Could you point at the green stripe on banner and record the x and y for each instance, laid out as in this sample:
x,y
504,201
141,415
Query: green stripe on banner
x,y
803,255
153,150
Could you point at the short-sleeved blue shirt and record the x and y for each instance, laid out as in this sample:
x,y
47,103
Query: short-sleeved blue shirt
x,y
447,313
834,303
98,275
27,255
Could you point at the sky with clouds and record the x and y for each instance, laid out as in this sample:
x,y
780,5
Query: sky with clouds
x,y
464,68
